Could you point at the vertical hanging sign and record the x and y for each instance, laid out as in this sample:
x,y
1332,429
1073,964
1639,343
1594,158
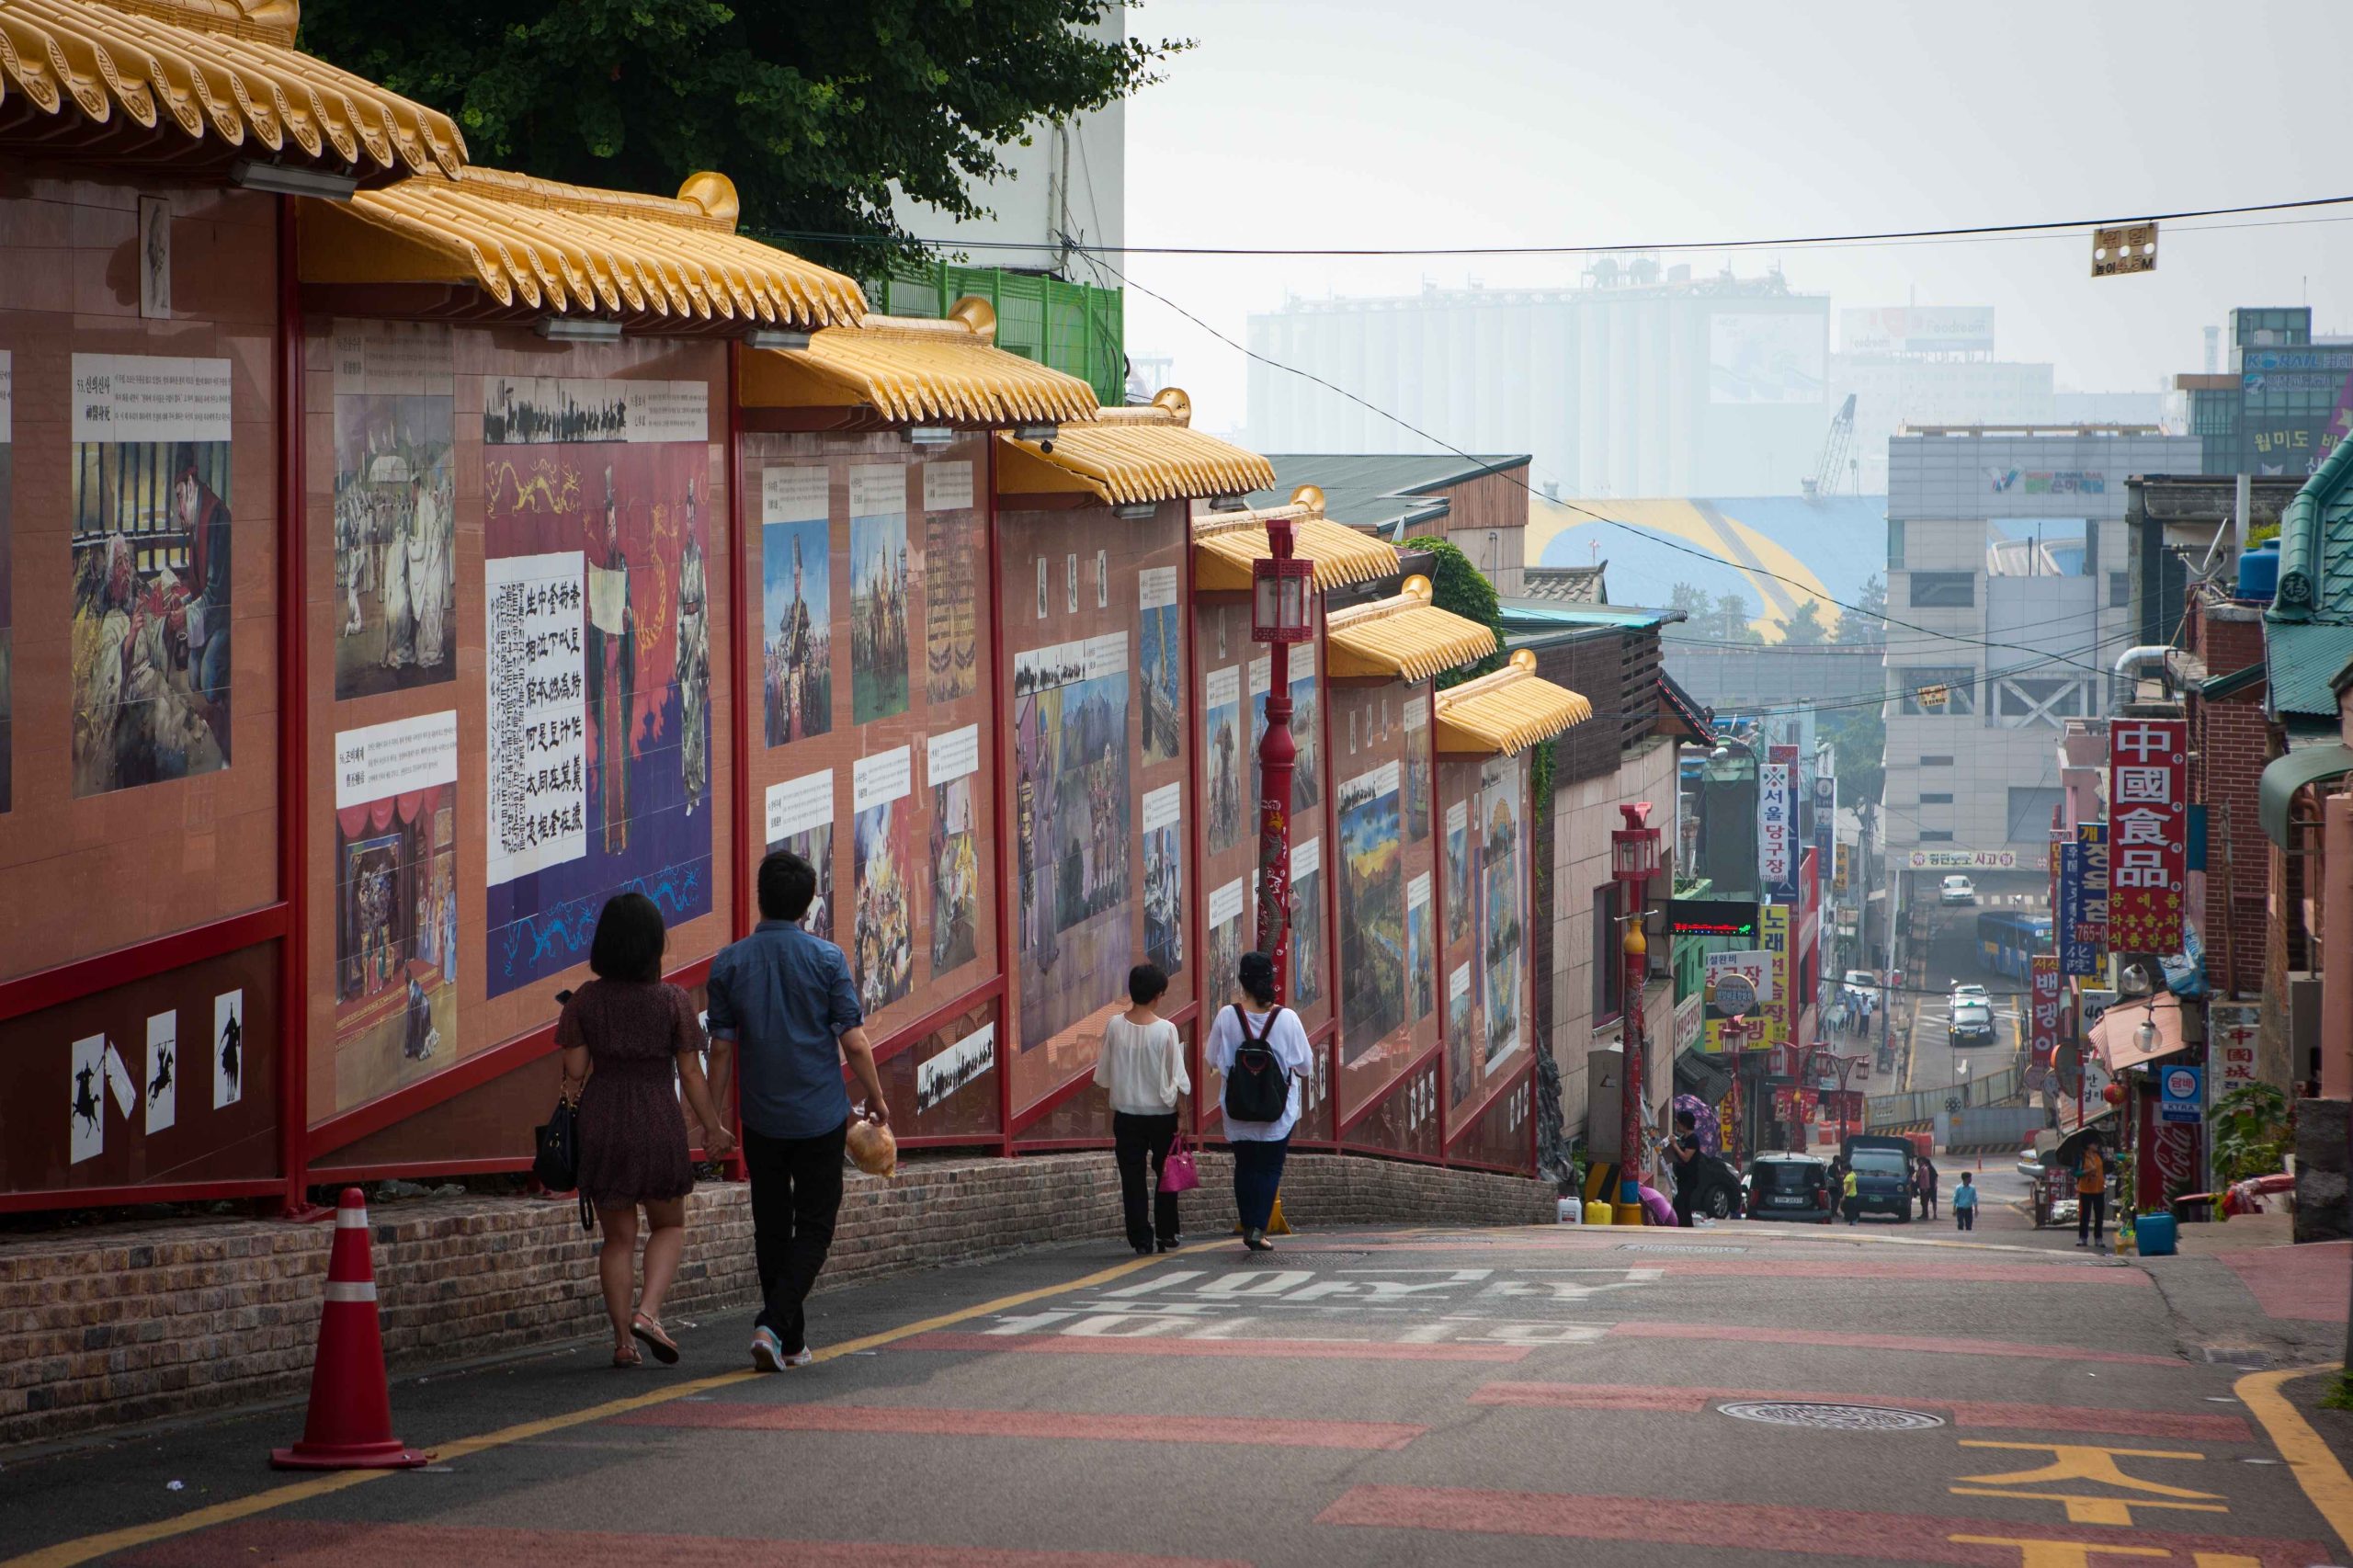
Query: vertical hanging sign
x,y
2043,995
1777,830
2148,844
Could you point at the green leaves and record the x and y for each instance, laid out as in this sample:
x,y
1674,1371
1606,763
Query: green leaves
x,y
2252,1132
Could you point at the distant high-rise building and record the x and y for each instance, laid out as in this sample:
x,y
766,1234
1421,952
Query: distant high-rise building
x,y
1643,381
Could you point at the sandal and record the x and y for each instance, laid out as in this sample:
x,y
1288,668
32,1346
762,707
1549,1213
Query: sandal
x,y
626,1357
651,1335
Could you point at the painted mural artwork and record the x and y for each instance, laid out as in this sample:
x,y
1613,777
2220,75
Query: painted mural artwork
x,y
1221,747
1163,879
882,923
1501,917
1306,728
1227,906
1310,961
1458,1032
7,594
954,562
1162,649
1373,953
1421,968
796,605
395,506
815,845
597,661
1073,831
1458,867
151,531
800,819
955,877
395,903
877,593
1416,804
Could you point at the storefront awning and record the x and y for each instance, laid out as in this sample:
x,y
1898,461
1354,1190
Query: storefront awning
x,y
536,245
1128,455
209,76
2276,791
1405,637
2117,1035
912,371
1226,544
1507,712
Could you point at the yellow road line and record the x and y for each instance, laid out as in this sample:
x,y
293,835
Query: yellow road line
x,y
67,1553
2315,1469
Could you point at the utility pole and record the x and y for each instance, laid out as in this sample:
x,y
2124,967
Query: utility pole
x,y
1280,617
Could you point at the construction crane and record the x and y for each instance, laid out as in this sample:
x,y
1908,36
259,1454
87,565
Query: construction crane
x,y
1835,470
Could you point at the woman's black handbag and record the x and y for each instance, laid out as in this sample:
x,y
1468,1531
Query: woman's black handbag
x,y
557,1162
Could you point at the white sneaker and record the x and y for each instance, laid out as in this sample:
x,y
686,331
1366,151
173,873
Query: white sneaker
x,y
770,1354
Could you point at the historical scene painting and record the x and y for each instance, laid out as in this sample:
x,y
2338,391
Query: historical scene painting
x,y
1227,943
882,929
1072,812
1163,879
596,679
1416,804
1161,650
1459,1047
1222,744
955,877
1306,728
877,592
800,819
954,562
1459,916
6,593
151,547
796,605
1310,959
1421,968
395,905
1501,918
395,506
1372,911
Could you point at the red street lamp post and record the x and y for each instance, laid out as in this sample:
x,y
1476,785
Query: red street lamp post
x,y
1280,614
1842,1065
1634,858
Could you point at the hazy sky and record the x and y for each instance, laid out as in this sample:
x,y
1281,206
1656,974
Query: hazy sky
x,y
1384,122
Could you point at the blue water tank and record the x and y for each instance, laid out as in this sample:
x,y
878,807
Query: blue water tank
x,y
2260,571
2155,1233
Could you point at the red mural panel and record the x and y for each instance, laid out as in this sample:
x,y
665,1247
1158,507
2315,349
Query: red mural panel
x,y
1404,1119
1385,887
1500,1135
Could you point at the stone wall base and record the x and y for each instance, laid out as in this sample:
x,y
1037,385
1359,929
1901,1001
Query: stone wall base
x,y
128,1325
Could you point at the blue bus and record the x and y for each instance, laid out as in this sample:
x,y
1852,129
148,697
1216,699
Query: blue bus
x,y
2008,941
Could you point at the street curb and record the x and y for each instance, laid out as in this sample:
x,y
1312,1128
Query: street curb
x,y
2324,1479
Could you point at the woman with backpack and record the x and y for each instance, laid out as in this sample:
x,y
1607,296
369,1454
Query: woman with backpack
x,y
1261,1048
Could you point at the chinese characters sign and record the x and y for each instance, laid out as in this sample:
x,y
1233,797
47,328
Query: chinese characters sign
x,y
2230,1031
2148,821
2043,995
1777,830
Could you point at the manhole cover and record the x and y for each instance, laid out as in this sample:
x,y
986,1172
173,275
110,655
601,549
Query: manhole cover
x,y
1671,1246
1833,1417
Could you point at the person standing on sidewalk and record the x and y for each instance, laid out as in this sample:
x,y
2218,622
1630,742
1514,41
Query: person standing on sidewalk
x,y
1852,1199
1258,1022
786,1000
1926,1177
2091,1197
1143,1070
1683,1154
1965,1204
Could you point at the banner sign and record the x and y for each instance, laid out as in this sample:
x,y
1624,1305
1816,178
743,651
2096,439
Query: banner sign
x,y
2182,1089
1777,866
1781,1016
2091,906
2230,1044
2044,996
1960,860
2148,819
1710,917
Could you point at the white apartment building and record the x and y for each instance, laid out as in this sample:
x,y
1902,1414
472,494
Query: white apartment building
x,y
2009,602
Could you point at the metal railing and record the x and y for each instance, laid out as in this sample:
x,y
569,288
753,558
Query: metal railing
x,y
1922,1105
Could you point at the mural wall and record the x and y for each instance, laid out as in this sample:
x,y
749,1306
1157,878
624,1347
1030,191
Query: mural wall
x,y
1486,861
1385,875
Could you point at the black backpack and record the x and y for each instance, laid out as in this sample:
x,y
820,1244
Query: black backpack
x,y
1256,1088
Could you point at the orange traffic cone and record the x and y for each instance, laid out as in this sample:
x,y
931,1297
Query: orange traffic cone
x,y
350,1422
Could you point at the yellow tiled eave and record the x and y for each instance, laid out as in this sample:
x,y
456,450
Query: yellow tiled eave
x,y
1131,456
1507,711
1226,544
1405,637
217,73
912,371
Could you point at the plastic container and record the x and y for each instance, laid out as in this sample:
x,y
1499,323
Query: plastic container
x,y
2260,571
1597,1213
2156,1236
1572,1209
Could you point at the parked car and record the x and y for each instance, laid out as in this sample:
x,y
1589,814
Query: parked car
x,y
1972,1024
1957,890
1970,991
2029,1163
1790,1187
1882,1168
1716,1191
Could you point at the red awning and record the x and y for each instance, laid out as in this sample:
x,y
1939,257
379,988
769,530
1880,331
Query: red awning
x,y
2116,1035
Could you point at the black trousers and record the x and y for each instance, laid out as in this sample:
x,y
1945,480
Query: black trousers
x,y
796,1196
2091,1215
1141,1143
1966,1218
1257,1178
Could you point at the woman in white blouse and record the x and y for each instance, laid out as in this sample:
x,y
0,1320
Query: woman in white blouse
x,y
1143,1067
1259,1147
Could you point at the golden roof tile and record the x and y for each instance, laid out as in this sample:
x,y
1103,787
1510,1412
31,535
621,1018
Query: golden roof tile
x,y
1226,544
915,372
1127,455
1507,712
1405,636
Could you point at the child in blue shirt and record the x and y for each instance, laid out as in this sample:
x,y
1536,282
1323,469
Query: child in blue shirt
x,y
1964,1203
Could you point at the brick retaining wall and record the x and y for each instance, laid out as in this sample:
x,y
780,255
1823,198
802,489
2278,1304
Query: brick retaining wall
x,y
129,1323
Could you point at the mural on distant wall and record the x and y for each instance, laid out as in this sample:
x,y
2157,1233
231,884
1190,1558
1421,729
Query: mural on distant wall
x,y
954,562
797,601
800,819
1070,723
1458,1031
1415,717
1373,957
1458,914
1421,971
877,592
881,933
396,904
1164,878
1306,726
952,764
1308,961
1227,906
395,506
150,550
6,592
1162,650
597,662
1501,916
1221,756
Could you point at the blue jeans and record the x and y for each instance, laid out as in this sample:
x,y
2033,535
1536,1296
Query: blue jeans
x,y
1257,1172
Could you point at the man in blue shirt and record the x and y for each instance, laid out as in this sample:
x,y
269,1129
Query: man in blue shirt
x,y
786,999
